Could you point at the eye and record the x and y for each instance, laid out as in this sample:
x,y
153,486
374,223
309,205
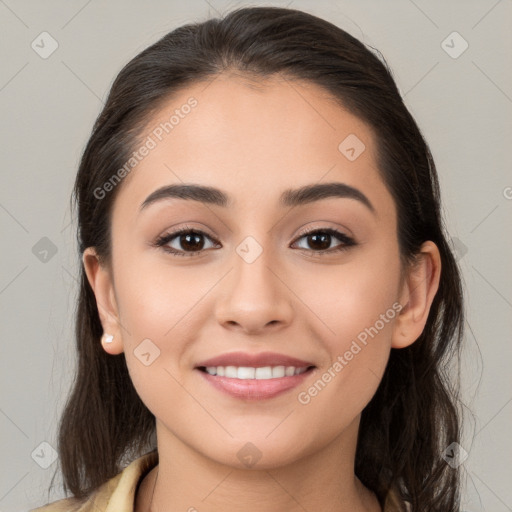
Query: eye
x,y
192,242
319,241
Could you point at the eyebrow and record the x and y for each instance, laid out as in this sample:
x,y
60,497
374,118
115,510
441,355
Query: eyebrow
x,y
290,197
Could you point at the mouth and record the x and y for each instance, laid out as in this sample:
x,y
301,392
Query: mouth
x,y
255,383
254,373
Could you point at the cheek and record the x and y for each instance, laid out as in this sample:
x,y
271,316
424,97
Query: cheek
x,y
351,297
155,299
343,387
358,305
160,307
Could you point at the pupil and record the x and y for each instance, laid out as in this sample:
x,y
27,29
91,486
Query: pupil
x,y
192,241
323,238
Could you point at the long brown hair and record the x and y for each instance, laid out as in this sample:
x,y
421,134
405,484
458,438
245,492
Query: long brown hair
x,y
414,414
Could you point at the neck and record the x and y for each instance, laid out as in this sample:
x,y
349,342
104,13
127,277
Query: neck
x,y
186,480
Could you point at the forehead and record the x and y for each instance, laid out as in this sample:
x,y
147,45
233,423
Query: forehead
x,y
254,139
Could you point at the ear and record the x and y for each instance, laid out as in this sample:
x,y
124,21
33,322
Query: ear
x,y
419,288
100,279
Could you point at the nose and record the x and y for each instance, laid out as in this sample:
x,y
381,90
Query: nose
x,y
254,298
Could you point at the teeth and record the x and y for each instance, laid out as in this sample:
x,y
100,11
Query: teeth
x,y
231,372
289,371
277,371
244,372
247,372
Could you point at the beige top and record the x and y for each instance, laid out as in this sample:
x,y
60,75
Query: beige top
x,y
118,493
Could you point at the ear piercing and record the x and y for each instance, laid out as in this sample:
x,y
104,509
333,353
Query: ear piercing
x,y
107,338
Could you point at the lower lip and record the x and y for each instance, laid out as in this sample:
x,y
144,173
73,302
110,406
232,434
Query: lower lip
x,y
255,389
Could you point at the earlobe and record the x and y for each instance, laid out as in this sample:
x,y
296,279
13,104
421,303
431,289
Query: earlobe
x,y
419,289
100,280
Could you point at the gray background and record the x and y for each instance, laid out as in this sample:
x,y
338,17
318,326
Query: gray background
x,y
463,106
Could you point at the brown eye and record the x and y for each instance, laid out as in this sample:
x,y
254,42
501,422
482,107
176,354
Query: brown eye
x,y
185,242
320,241
191,241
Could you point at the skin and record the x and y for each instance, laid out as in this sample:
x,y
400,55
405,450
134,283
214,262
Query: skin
x,y
254,140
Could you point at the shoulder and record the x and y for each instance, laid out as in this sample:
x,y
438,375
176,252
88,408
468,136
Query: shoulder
x,y
394,502
115,495
64,505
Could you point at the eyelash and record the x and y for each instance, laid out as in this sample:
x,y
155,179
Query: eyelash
x,y
347,242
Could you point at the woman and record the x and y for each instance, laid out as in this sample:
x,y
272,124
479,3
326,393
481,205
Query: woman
x,y
268,299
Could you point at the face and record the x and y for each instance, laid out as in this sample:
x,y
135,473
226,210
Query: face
x,y
258,269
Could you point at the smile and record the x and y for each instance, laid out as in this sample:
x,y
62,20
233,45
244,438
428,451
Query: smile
x,y
261,373
255,383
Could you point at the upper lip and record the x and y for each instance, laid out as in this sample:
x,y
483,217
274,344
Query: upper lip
x,y
254,360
